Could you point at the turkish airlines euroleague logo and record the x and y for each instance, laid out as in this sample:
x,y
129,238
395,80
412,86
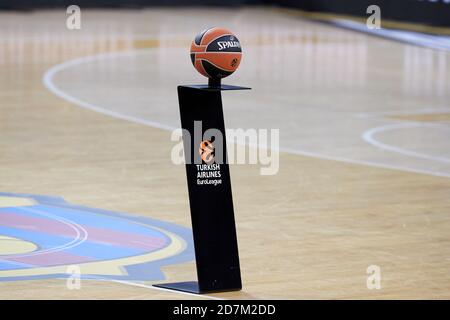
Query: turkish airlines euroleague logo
x,y
206,151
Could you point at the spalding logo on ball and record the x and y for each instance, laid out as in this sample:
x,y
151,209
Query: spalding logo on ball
x,y
216,53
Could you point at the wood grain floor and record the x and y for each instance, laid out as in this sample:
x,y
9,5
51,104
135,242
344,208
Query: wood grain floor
x,y
310,231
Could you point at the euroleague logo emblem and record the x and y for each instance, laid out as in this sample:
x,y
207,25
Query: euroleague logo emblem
x,y
206,150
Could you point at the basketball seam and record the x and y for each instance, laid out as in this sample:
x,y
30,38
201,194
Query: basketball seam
x,y
228,34
214,66
207,32
201,62
195,52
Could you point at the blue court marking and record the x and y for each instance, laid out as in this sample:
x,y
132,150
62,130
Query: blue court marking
x,y
7,265
114,224
98,233
95,220
39,239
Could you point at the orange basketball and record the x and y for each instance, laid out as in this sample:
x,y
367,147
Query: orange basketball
x,y
216,53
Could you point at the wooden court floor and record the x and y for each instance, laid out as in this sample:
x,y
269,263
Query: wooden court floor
x,y
338,203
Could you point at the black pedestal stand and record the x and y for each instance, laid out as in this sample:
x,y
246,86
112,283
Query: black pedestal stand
x,y
214,82
212,215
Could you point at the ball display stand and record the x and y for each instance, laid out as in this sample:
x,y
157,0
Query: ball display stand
x,y
211,206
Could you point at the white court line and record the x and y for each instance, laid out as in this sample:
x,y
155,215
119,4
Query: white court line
x,y
48,82
166,290
368,136
50,73
366,163
141,285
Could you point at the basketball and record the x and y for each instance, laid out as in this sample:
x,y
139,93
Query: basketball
x,y
216,53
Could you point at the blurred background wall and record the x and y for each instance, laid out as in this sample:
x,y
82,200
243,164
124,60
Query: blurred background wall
x,y
428,12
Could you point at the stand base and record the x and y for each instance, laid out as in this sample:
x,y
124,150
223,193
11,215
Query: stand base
x,y
190,287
